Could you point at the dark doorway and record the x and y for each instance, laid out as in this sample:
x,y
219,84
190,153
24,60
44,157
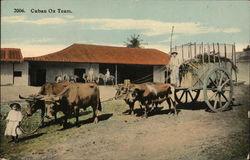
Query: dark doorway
x,y
37,77
79,73
136,73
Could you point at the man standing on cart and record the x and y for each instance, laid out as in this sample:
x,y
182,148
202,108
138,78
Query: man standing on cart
x,y
174,66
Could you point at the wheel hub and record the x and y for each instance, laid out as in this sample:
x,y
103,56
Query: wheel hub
x,y
219,89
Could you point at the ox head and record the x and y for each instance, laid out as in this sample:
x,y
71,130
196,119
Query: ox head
x,y
34,103
51,103
121,91
133,93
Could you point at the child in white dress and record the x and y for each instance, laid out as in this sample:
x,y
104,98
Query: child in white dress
x,y
14,119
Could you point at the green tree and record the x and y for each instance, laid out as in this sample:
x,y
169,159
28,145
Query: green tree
x,y
247,48
134,41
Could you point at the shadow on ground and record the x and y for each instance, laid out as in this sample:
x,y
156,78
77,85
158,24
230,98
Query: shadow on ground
x,y
102,117
22,139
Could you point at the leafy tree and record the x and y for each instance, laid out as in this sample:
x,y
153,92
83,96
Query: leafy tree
x,y
247,48
134,41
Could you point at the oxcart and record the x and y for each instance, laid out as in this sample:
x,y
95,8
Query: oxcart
x,y
210,68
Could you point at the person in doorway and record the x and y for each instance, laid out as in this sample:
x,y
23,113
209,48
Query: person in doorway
x,y
107,75
91,75
14,119
58,79
174,66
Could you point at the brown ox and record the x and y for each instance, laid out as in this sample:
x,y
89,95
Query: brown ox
x,y
150,94
34,101
123,92
74,97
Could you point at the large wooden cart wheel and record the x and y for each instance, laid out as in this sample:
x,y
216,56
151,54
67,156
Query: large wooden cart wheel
x,y
186,96
218,89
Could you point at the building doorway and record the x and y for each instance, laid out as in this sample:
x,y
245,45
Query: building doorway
x,y
79,73
38,77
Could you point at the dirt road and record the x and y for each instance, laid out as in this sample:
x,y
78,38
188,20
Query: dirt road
x,y
192,135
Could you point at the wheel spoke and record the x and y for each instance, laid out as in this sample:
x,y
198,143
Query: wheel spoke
x,y
182,95
215,104
225,82
212,96
224,97
212,82
216,79
220,103
191,96
186,96
222,76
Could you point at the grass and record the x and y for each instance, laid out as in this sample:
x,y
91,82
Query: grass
x,y
52,133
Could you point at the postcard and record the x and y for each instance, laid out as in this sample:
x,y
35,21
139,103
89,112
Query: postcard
x,y
125,79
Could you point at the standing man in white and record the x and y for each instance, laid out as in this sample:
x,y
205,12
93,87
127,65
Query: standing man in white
x,y
91,75
174,66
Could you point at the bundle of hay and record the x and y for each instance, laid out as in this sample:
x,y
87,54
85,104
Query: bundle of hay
x,y
196,63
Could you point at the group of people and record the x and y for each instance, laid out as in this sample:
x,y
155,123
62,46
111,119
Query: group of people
x,y
61,78
90,76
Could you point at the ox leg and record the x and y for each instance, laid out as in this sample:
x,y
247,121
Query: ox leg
x,y
42,118
154,106
55,117
174,104
95,114
76,110
146,108
66,115
169,103
131,107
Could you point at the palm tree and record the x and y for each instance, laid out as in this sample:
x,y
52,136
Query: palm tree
x,y
134,41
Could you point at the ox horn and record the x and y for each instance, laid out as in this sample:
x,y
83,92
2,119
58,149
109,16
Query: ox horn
x,y
38,96
21,97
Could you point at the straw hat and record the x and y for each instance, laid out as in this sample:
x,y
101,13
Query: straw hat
x,y
18,106
174,53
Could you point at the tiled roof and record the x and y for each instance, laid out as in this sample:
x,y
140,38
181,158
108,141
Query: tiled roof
x,y
11,54
105,54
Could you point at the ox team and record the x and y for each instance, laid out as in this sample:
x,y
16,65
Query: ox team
x,y
69,97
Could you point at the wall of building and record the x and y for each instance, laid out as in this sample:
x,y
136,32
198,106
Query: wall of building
x,y
6,73
23,68
159,74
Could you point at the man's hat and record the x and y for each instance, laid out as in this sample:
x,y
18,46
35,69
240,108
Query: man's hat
x,y
18,106
174,53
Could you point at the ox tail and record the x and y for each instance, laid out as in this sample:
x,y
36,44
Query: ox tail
x,y
99,105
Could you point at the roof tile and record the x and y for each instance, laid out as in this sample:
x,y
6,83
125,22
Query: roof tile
x,y
105,54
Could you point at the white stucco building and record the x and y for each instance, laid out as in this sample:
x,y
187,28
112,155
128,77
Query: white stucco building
x,y
138,65
14,71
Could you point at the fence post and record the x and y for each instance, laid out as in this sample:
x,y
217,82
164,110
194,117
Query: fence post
x,y
191,50
218,46
236,78
182,53
208,53
214,52
225,50
195,49
202,51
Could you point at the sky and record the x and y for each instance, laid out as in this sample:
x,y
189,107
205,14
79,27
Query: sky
x,y
112,22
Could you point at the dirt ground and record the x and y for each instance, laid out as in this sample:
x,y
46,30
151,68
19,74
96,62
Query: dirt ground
x,y
192,135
